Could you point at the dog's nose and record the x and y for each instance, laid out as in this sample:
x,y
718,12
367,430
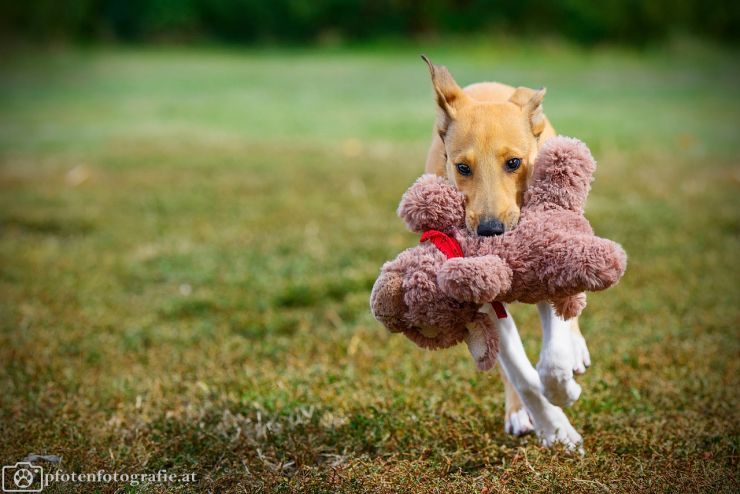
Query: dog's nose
x,y
489,228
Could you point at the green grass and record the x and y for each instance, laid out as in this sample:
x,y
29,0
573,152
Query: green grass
x,y
189,237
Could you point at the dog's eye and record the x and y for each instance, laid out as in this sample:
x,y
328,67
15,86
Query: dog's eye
x,y
464,169
513,164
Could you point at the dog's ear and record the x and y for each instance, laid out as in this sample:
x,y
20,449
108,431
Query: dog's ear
x,y
530,100
448,94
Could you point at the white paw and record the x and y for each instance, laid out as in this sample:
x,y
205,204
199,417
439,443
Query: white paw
x,y
582,359
556,429
559,387
518,423
556,375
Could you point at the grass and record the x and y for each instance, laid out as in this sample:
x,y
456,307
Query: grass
x,y
189,237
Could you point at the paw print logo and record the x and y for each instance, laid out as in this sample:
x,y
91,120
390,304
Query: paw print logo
x,y
23,478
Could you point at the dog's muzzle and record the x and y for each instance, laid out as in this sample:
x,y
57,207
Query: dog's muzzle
x,y
489,228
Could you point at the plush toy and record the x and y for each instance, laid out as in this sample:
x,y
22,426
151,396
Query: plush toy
x,y
433,292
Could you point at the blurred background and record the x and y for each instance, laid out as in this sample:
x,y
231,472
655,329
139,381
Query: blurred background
x,y
196,197
336,21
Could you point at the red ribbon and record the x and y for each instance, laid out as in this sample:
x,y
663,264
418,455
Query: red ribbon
x,y
451,248
500,310
448,245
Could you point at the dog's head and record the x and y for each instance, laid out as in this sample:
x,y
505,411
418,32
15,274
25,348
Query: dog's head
x,y
490,149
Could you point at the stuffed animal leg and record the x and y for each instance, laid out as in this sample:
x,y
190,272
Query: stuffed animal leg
x,y
386,301
582,263
474,279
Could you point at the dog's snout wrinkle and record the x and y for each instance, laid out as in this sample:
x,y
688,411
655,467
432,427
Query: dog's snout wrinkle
x,y
489,228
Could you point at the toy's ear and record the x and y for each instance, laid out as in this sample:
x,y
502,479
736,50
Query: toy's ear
x,y
483,342
530,100
432,203
562,175
448,94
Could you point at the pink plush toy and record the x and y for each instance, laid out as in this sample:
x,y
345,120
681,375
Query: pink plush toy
x,y
433,292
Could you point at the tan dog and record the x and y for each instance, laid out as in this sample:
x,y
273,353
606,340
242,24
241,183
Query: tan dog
x,y
485,141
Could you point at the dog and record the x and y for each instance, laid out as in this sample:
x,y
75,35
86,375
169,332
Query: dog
x,y
485,140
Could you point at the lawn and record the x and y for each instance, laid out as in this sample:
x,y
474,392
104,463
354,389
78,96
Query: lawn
x,y
188,238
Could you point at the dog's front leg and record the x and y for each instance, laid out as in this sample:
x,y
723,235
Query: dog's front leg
x,y
517,420
561,355
551,424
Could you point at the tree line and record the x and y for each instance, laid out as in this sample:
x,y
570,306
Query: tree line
x,y
308,21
